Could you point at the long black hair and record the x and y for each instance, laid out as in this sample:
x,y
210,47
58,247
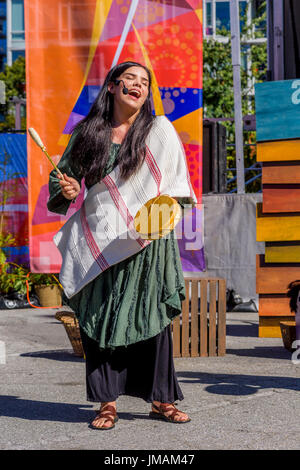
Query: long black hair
x,y
90,150
292,293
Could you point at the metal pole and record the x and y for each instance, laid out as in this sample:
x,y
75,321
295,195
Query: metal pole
x,y
18,115
18,102
270,40
238,115
204,19
278,40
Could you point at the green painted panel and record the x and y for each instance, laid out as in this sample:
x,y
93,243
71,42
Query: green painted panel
x,y
277,110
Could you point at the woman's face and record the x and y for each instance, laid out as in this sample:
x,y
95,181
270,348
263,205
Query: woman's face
x,y
137,82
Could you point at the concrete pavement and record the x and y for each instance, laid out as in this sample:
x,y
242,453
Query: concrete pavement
x,y
248,399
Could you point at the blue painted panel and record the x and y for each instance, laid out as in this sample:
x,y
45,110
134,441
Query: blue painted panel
x,y
15,146
178,102
85,100
277,110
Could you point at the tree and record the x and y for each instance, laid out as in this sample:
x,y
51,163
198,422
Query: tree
x,y
14,79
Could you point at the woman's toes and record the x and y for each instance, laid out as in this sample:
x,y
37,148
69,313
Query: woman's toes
x,y
182,417
106,424
100,423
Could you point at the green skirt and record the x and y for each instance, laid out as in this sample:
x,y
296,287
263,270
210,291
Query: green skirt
x,y
135,299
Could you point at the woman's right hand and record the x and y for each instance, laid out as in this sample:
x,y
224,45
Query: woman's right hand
x,y
70,187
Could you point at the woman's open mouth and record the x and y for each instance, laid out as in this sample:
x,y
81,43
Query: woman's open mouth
x,y
135,94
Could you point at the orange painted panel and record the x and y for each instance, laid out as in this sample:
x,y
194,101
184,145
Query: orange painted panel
x,y
274,305
281,173
58,36
273,278
190,121
281,150
281,199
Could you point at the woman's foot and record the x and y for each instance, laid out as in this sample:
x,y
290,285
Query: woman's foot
x,y
168,412
106,417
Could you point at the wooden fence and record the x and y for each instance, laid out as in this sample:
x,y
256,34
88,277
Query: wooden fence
x,y
200,330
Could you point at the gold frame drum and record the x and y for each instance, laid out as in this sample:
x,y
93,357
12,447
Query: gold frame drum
x,y
158,217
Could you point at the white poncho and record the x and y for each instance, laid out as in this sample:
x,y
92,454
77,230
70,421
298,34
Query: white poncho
x,y
101,233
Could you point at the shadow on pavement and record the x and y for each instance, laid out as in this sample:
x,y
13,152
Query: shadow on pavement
x,y
33,410
15,407
248,329
239,385
56,355
267,352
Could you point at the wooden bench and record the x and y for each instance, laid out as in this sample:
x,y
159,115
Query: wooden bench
x,y
200,330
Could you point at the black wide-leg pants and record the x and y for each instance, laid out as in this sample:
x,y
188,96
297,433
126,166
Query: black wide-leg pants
x,y
144,369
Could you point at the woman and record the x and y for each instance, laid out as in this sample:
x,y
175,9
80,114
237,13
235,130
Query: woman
x,y
294,294
125,312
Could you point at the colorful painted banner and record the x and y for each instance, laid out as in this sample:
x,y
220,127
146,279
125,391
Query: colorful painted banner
x,y
13,197
70,47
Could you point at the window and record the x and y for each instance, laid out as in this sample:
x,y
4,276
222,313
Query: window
x,y
16,54
261,27
2,47
217,16
2,27
2,9
244,57
17,14
243,6
222,15
209,28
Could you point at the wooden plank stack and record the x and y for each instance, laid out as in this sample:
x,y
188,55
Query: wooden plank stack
x,y
200,330
278,217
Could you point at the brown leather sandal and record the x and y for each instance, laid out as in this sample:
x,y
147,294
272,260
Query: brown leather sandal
x,y
164,408
111,416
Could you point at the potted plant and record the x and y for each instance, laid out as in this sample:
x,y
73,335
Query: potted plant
x,y
47,288
16,283
13,287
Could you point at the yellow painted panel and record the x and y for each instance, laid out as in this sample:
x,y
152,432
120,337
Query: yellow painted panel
x,y
189,127
64,139
282,254
269,332
276,228
269,327
277,151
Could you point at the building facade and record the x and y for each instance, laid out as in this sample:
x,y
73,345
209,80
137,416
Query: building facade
x,y
15,30
216,17
12,31
216,23
3,29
